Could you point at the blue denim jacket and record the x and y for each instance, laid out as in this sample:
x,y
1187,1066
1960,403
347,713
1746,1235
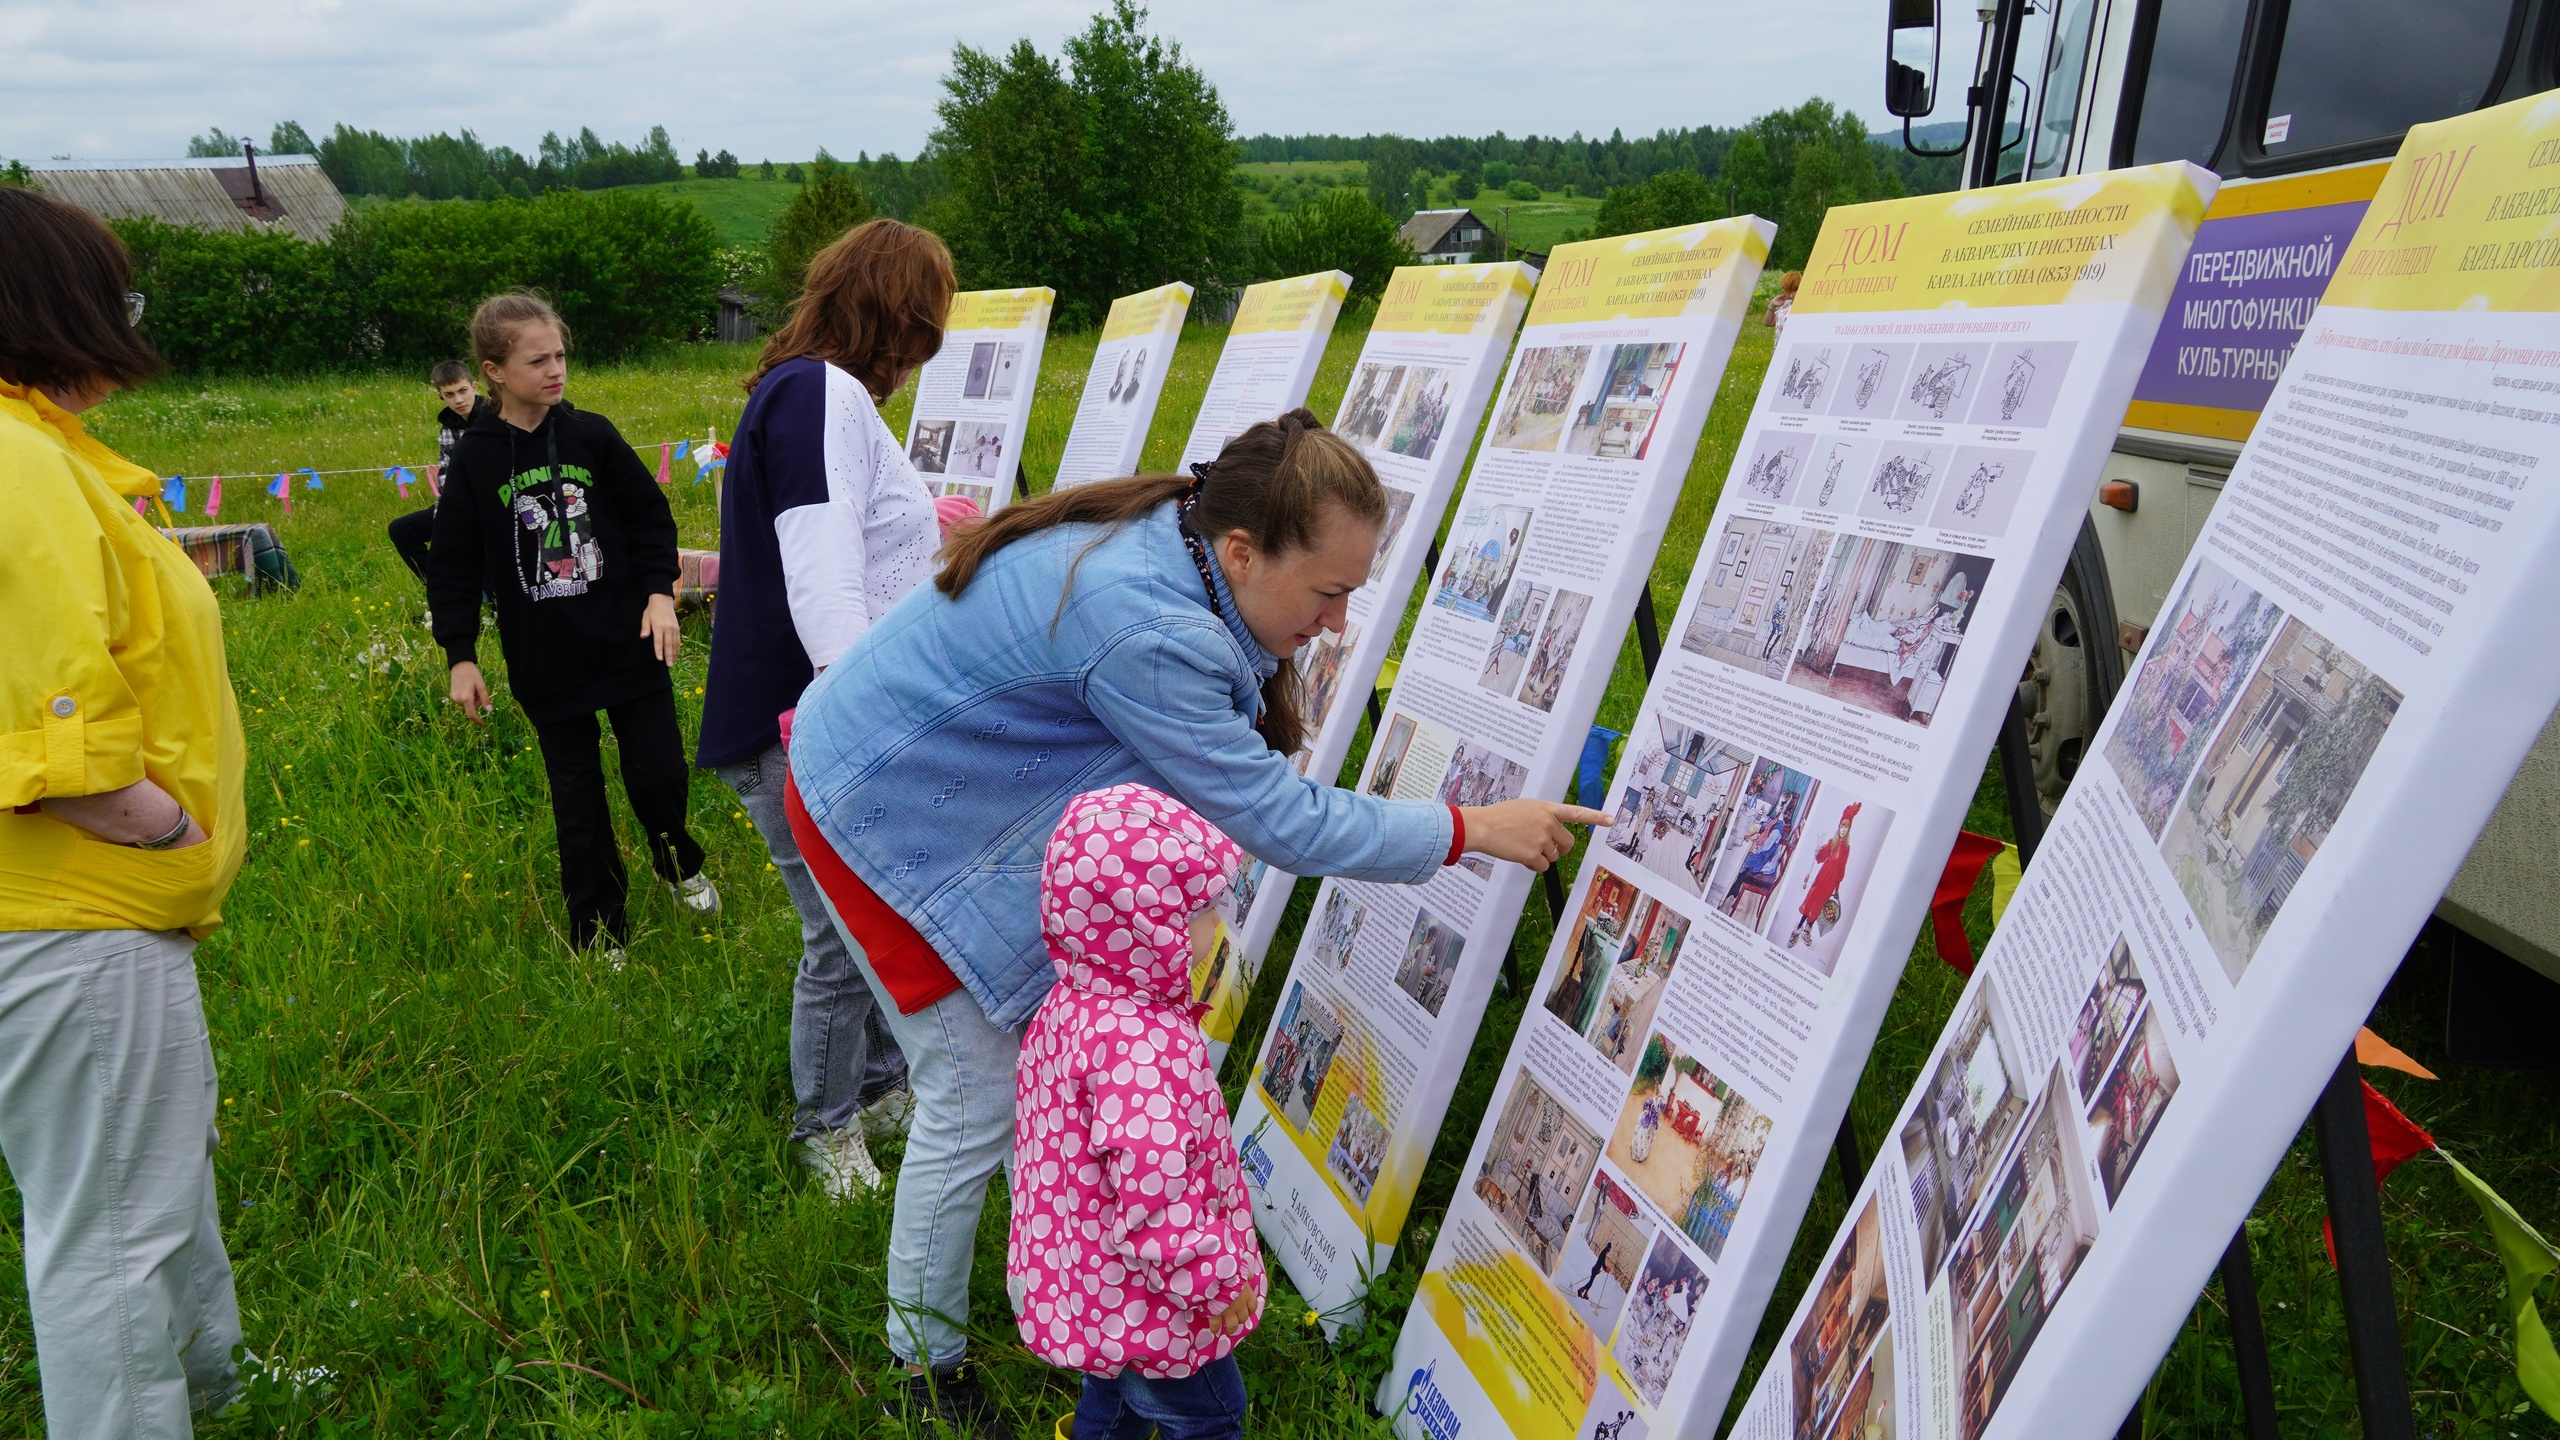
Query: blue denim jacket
x,y
939,753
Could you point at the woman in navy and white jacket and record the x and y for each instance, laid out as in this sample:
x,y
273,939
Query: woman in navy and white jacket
x,y
823,526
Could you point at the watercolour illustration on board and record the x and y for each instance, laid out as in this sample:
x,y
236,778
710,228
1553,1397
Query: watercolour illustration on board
x,y
1758,590
1534,1171
1690,1142
1679,797
2200,654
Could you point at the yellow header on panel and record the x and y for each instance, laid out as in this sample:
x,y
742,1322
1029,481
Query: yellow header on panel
x,y
1302,302
1026,309
1684,270
1450,299
2084,239
1148,310
2467,219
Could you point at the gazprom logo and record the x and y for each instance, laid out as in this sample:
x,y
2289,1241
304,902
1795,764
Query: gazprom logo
x,y
1256,1161
1429,1407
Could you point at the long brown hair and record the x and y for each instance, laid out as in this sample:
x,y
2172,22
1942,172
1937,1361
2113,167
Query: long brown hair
x,y
1275,482
874,306
63,322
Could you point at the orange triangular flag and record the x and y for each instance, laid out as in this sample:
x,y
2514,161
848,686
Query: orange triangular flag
x,y
2372,1049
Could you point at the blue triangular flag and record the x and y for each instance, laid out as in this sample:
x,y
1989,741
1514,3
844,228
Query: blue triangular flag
x,y
682,449
314,482
280,486
1591,784
174,495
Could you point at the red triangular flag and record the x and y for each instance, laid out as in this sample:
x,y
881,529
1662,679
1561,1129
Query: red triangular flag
x,y
1955,886
2395,1138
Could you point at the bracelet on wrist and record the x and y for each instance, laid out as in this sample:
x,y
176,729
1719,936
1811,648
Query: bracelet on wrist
x,y
170,840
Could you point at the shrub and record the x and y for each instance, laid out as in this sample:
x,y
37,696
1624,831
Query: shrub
x,y
395,284
1520,189
1338,230
1674,197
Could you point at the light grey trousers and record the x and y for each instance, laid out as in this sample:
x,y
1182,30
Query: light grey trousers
x,y
107,1124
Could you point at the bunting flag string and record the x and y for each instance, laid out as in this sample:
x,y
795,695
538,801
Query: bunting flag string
x,y
708,455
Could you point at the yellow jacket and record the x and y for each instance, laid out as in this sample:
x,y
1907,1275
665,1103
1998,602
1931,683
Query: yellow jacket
x,y
111,671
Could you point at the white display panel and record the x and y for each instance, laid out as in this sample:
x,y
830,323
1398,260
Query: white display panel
x,y
973,400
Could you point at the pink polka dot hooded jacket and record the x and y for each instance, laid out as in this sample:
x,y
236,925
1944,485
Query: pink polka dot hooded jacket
x,y
1131,1226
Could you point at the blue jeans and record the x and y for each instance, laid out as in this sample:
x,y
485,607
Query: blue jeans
x,y
1207,1404
842,1055
960,1067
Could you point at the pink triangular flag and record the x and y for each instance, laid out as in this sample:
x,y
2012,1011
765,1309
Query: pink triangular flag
x,y
213,499
435,480
142,506
662,464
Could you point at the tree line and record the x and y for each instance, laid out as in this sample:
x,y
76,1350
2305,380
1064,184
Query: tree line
x,y
1577,165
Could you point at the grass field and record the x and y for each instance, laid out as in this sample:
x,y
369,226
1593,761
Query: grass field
x,y
466,1176
742,210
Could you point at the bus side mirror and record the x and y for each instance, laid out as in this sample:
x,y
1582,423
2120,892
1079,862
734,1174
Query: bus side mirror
x,y
1911,58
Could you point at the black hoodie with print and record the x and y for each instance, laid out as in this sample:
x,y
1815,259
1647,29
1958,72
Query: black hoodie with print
x,y
568,531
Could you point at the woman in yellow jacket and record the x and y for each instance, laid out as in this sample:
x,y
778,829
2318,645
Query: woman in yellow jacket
x,y
120,829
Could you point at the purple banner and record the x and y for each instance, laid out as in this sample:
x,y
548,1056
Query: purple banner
x,y
2249,286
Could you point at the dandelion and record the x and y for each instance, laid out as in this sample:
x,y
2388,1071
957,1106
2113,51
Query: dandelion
x,y
466,874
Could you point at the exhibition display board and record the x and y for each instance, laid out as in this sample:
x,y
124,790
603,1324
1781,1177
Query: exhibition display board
x,y
1625,344
2355,658
1270,358
1425,373
1122,388
1885,548
973,400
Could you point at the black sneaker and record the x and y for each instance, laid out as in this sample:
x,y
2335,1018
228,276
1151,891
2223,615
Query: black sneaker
x,y
946,1395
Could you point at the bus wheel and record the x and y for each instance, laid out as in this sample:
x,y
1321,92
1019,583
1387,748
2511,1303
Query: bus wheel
x,y
2071,678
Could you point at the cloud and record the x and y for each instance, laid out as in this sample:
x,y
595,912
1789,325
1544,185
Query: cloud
x,y
121,78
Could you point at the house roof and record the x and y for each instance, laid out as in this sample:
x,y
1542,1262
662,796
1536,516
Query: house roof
x,y
1429,227
204,194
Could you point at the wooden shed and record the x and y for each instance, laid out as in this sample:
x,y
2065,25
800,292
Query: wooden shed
x,y
287,192
1446,237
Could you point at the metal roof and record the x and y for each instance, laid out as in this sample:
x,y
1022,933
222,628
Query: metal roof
x,y
205,194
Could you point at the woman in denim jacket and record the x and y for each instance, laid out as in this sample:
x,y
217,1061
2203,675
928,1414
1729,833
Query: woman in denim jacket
x,y
1129,631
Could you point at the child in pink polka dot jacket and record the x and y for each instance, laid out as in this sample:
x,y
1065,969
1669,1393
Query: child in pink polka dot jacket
x,y
1133,1256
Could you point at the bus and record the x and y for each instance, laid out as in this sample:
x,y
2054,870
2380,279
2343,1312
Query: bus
x,y
2299,106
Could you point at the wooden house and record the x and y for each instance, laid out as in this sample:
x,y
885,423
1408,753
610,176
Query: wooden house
x,y
283,192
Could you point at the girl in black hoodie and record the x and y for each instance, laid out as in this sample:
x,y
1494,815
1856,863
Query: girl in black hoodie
x,y
553,515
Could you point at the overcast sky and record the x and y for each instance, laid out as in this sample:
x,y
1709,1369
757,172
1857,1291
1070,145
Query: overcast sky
x,y
779,78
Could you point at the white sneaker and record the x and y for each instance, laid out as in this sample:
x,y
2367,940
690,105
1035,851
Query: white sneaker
x,y
889,1114
698,893
842,1161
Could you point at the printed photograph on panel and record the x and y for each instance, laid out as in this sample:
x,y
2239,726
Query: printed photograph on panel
x,y
1363,417
1759,586
2009,1270
977,448
2128,1109
2201,651
1483,548
1548,663
1850,1311
982,496
1867,1411
1655,1325
2272,783
1944,380
2104,1018
1689,1141
1535,1168
1870,381
1411,761
1303,1041
1421,414
1623,947
1966,1116
1248,885
1338,923
1213,979
2024,378
1106,378
1359,1148
930,451
1678,797
1479,776
1909,474
1607,1243
1983,490
1818,901
1805,379
982,370
1612,1415
1836,474
1320,674
1542,386
1399,508
1512,637
1430,960
1388,759
1617,422
1768,824
1887,621
1776,466
1008,370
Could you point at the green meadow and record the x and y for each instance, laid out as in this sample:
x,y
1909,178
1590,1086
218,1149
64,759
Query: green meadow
x,y
475,1185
